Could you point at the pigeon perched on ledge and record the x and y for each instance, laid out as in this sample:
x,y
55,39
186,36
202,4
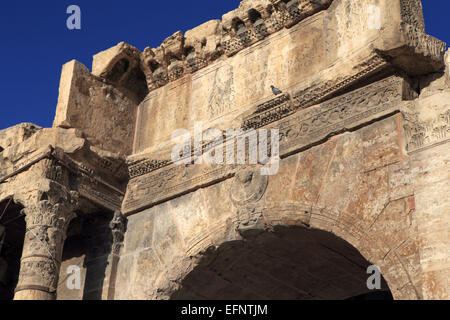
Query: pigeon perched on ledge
x,y
276,91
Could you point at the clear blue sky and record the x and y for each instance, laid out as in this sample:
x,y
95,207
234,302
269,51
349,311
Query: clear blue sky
x,y
35,42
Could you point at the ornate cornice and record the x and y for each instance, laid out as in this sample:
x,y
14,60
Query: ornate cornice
x,y
180,55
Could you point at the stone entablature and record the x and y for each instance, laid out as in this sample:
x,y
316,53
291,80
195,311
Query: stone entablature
x,y
153,182
364,129
97,176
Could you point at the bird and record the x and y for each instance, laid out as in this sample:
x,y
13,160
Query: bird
x,y
276,91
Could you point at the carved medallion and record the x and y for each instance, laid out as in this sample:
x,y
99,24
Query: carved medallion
x,y
248,187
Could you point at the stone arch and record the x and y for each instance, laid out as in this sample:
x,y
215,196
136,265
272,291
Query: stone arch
x,y
163,277
346,227
294,263
287,215
337,187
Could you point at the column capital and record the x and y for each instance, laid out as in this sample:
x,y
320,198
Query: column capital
x,y
52,213
47,221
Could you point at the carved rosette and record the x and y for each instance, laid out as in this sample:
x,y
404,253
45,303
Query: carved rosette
x,y
47,224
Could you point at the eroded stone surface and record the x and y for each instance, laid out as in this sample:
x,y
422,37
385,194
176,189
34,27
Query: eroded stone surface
x,y
103,112
363,178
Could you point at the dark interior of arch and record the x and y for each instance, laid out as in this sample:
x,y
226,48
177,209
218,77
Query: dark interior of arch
x,y
291,263
12,234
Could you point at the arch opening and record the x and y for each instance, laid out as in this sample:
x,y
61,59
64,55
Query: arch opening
x,y
12,235
291,263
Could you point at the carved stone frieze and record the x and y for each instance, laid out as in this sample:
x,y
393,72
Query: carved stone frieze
x,y
164,184
280,107
297,131
89,183
423,133
343,112
269,111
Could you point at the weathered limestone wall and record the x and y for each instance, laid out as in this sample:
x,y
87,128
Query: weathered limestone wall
x,y
432,187
428,134
351,186
383,188
227,88
354,139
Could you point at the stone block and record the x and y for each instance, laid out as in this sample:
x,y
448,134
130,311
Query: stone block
x,y
104,113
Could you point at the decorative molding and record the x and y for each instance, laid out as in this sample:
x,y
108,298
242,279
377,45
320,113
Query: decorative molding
x,y
89,184
269,111
281,107
422,134
343,112
170,182
278,108
143,166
